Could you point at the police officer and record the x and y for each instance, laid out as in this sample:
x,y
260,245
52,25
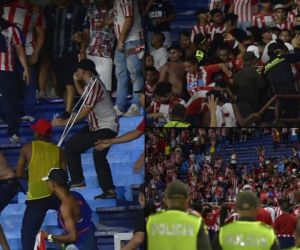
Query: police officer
x,y
246,233
279,74
174,228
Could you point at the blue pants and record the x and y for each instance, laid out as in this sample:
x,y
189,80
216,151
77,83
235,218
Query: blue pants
x,y
87,241
8,101
33,219
29,90
128,69
286,242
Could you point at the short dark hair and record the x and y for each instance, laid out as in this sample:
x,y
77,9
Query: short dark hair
x,y
161,35
178,110
185,33
151,68
192,59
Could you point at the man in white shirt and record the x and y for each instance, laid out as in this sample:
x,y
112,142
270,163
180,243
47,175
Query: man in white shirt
x,y
159,52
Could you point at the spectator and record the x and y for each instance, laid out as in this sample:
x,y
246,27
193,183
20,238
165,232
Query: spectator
x,y
39,156
128,55
8,189
159,52
151,76
10,39
65,46
30,22
265,17
99,38
185,43
75,215
103,124
159,14
285,226
202,26
173,71
280,19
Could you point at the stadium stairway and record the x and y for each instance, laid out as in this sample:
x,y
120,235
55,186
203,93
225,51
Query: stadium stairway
x,y
111,215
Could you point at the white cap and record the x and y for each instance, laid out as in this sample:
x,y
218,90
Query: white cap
x,y
290,47
254,49
246,187
279,6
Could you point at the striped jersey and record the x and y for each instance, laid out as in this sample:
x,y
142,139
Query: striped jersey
x,y
102,37
128,8
243,8
27,18
102,115
292,16
263,20
9,37
200,28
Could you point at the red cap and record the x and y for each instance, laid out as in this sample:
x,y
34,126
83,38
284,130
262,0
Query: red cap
x,y
42,127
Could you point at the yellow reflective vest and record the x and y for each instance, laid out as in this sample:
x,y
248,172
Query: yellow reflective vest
x,y
173,230
246,235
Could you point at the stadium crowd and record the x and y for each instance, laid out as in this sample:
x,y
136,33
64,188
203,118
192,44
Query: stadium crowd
x,y
89,45
236,51
192,155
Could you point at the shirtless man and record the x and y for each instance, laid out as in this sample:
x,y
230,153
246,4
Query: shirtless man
x,y
173,71
8,190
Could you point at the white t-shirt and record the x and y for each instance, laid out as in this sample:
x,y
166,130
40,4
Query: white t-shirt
x,y
160,57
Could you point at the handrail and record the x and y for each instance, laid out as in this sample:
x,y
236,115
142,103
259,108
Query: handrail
x,y
275,99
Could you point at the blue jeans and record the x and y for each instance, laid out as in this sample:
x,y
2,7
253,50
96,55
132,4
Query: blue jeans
x,y
87,241
286,242
33,219
128,69
29,90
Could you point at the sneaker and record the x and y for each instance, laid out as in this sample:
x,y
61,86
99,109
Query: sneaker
x,y
28,118
118,111
106,195
73,184
133,111
65,115
15,139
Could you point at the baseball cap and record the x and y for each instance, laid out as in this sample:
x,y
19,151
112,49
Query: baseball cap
x,y
57,175
279,6
246,201
247,187
87,64
254,49
42,127
177,189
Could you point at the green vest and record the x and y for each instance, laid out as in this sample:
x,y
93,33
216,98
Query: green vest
x,y
246,235
177,124
173,230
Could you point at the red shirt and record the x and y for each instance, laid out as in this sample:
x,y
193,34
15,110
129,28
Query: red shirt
x,y
264,216
285,224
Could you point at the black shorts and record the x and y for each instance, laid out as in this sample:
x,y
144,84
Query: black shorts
x,y
64,68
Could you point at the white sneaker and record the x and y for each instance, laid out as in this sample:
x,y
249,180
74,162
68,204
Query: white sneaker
x,y
118,111
15,139
28,118
133,110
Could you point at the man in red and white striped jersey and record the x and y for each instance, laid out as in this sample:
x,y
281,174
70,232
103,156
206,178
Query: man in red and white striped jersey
x,y
29,19
102,124
280,19
203,25
10,40
265,16
217,26
128,54
245,9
